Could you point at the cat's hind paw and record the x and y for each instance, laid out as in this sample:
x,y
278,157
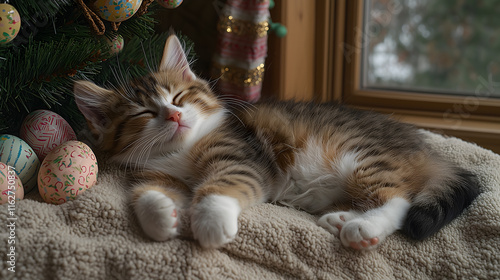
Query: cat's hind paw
x,y
367,230
157,215
334,222
214,220
353,231
361,234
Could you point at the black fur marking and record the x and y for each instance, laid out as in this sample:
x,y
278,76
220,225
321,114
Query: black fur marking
x,y
423,221
175,101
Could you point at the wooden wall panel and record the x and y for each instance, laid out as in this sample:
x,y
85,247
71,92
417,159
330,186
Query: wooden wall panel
x,y
291,60
298,69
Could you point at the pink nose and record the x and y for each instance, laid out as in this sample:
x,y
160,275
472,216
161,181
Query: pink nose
x,y
174,116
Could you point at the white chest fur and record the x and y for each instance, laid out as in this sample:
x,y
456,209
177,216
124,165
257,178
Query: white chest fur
x,y
177,164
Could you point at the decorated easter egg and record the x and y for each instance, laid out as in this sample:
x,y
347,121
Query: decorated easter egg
x,y
115,44
10,23
66,172
170,4
116,10
11,187
18,154
44,130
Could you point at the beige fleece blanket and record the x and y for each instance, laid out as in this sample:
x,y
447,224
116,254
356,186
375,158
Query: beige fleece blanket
x,y
97,237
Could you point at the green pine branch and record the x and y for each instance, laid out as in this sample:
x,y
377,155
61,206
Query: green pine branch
x,y
42,70
38,68
138,58
37,8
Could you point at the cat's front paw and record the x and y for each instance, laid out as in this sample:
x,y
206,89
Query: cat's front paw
x,y
157,215
214,220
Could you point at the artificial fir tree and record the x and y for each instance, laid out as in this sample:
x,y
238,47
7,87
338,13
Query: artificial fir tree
x,y
58,43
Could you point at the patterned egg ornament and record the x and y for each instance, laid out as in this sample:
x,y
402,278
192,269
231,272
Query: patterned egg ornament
x,y
10,23
66,172
116,10
44,130
115,44
10,184
170,4
18,154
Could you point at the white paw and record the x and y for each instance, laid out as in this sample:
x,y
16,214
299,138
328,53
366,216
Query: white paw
x,y
157,215
334,222
361,234
214,221
365,231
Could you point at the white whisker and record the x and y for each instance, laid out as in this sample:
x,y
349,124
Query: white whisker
x,y
146,58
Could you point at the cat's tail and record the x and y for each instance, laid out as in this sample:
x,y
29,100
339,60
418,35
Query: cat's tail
x,y
438,204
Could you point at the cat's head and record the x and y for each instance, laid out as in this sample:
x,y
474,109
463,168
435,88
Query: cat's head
x,y
159,113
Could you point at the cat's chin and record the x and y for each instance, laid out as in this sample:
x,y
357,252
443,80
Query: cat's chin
x,y
177,140
181,129
180,132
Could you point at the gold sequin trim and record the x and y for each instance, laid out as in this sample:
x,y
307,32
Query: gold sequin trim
x,y
243,28
238,75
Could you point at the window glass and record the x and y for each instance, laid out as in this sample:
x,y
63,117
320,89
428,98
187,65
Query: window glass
x,y
447,47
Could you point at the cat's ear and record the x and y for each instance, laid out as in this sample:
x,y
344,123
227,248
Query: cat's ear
x,y
174,58
92,100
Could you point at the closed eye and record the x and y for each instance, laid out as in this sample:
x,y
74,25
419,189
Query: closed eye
x,y
177,98
144,113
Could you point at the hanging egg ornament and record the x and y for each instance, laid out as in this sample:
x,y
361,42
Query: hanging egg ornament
x,y
115,44
10,23
117,10
66,172
170,4
44,130
18,154
11,187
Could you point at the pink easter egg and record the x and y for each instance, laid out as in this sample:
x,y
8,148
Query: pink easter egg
x,y
45,130
11,188
67,172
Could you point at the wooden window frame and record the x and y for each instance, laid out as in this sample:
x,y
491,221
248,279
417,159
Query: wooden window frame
x,y
320,59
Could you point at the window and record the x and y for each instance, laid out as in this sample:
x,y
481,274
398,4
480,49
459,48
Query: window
x,y
432,63
443,47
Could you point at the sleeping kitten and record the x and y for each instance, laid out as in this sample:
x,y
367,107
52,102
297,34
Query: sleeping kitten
x,y
187,148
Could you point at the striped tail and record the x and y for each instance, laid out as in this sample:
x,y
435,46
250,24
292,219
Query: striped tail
x,y
430,213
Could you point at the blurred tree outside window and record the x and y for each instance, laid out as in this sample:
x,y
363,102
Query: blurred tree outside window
x,y
447,47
